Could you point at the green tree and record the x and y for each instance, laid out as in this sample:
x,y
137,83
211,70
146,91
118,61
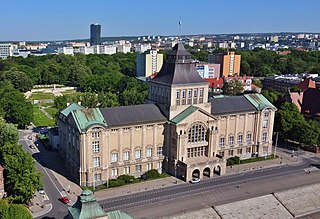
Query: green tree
x,y
108,99
21,178
8,133
78,73
19,79
232,87
8,211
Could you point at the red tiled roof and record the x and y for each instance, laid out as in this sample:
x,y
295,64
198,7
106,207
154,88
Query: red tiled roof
x,y
306,83
215,82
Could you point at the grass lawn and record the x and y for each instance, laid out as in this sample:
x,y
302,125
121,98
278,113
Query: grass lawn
x,y
40,119
46,104
71,94
41,96
52,111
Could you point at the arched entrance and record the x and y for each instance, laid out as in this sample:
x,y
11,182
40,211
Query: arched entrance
x,y
206,172
196,173
217,170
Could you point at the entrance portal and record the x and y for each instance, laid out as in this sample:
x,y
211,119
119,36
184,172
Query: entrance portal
x,y
206,172
196,173
217,170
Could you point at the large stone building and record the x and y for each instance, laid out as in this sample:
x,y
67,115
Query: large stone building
x,y
180,130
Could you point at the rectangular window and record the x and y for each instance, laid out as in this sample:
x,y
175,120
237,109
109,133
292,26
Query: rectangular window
x,y
160,151
201,92
95,146
230,152
248,150
190,93
184,93
239,151
126,170
265,124
126,155
114,157
96,162
266,114
221,153
97,177
138,168
149,166
240,139
249,138
114,172
149,152
264,137
221,141
138,154
231,140
95,134
195,93
178,94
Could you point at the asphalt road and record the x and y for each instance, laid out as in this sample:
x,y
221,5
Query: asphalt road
x,y
170,200
51,185
189,192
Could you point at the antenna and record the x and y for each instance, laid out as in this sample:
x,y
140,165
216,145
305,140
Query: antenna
x,y
180,23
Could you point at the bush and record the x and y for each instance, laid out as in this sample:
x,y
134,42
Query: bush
x,y
127,178
233,161
116,183
152,174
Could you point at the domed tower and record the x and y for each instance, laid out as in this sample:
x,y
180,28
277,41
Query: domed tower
x,y
178,85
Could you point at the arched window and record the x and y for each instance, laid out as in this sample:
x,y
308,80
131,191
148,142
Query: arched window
x,y
197,133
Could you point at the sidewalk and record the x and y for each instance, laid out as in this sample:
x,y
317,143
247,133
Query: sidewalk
x,y
283,159
137,187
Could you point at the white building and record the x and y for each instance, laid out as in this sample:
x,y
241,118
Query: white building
x,y
6,50
66,50
125,48
208,70
141,48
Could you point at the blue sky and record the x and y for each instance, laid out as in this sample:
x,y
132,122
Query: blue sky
x,y
70,19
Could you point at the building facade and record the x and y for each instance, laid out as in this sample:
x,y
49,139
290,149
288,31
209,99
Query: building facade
x,y
147,64
179,130
207,70
6,50
95,34
229,62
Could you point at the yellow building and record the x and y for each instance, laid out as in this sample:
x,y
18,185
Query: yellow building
x,y
147,64
179,131
229,62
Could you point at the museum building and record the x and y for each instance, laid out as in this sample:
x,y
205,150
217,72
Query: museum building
x,y
180,130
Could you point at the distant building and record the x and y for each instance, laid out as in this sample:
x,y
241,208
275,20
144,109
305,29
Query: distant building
x,y
141,48
207,70
66,50
281,83
95,34
246,81
229,63
215,85
6,50
147,64
124,47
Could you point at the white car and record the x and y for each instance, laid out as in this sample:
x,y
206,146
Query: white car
x,y
195,180
41,191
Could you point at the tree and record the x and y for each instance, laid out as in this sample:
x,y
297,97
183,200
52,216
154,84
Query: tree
x,y
8,133
8,211
19,79
78,73
21,178
16,109
232,87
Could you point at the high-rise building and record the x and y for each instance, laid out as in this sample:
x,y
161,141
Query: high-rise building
x,y
148,63
95,34
229,62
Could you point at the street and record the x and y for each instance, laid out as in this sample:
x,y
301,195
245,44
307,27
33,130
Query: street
x,y
186,196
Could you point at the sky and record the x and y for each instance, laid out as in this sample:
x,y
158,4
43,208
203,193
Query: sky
x,y
40,20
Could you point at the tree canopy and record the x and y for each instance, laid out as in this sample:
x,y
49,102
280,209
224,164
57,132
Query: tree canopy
x,y
232,87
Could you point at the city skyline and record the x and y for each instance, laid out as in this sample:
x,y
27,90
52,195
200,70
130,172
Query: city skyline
x,y
58,20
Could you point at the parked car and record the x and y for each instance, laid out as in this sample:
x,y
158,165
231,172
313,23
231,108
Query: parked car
x,y
195,180
41,191
64,200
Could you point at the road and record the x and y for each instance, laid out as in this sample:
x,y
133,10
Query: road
x,y
262,182
212,191
51,186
